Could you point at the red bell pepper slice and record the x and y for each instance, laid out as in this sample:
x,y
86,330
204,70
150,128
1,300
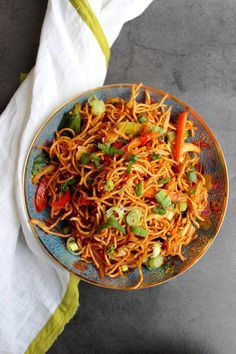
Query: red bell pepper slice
x,y
41,195
181,123
146,137
117,144
60,203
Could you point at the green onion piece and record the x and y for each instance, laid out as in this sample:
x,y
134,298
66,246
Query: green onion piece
x,y
155,157
156,250
98,107
39,161
114,150
192,177
119,211
110,249
154,263
166,202
164,180
139,231
129,128
139,189
156,129
104,148
134,216
85,158
72,246
133,158
142,119
124,268
92,100
163,199
192,191
183,206
71,119
122,141
66,230
160,196
129,168
112,222
65,186
159,211
96,160
109,186
76,124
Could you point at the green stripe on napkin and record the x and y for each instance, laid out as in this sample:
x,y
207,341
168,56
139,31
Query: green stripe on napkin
x,y
85,11
55,325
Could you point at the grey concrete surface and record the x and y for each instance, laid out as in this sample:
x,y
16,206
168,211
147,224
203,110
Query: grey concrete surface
x,y
188,48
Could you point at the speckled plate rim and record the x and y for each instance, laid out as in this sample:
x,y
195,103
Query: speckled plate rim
x,y
220,153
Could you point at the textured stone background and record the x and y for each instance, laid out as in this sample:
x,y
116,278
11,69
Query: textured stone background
x,y
187,48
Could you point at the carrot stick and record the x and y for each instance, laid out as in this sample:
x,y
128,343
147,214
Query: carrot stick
x,y
181,123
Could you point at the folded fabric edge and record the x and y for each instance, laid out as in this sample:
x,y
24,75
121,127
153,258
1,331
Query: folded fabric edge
x,y
55,325
87,14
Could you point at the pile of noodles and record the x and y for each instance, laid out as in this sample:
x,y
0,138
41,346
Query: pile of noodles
x,y
172,231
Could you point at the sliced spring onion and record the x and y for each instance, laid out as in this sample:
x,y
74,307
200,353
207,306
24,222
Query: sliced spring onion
x,y
166,202
110,249
109,186
156,129
192,191
124,268
98,108
159,211
142,119
104,148
163,180
39,162
85,158
110,150
183,206
155,157
139,231
118,210
192,177
112,222
72,246
92,100
134,216
139,189
72,120
129,128
114,150
163,199
154,263
133,158
156,250
96,160
129,168
160,196
65,186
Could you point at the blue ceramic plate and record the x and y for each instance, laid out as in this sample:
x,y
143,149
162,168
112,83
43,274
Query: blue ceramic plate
x,y
214,167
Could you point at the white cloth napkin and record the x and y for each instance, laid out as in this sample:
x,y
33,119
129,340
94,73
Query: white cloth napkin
x,y
69,61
